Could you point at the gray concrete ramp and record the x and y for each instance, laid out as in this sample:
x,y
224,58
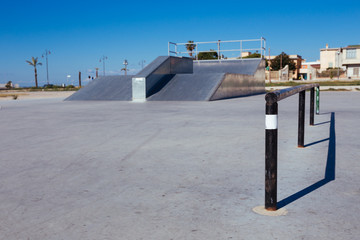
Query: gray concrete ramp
x,y
105,88
170,78
189,87
239,66
215,80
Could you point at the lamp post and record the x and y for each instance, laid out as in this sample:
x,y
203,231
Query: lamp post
x,y
141,63
338,60
125,64
47,68
103,58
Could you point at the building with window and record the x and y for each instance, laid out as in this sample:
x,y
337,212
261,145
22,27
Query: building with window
x,y
330,58
351,60
347,58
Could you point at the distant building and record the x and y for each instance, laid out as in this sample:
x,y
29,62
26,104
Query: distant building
x,y
346,58
351,60
308,69
245,54
329,58
297,59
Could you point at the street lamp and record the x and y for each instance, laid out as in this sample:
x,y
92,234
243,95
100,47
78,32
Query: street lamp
x,y
141,63
103,58
47,68
338,60
125,68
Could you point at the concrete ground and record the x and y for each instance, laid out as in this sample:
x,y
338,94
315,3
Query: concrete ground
x,y
175,170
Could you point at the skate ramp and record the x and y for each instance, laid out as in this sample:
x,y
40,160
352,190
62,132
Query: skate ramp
x,y
189,87
180,79
117,88
215,80
158,74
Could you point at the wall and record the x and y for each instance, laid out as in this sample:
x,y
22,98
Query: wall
x,y
328,59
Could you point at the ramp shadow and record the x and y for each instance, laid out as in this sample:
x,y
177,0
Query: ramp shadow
x,y
329,170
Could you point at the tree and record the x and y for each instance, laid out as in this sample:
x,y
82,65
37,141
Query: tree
x,y
8,85
190,46
212,54
281,61
34,62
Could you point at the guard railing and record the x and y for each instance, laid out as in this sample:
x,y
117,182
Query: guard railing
x,y
271,133
221,47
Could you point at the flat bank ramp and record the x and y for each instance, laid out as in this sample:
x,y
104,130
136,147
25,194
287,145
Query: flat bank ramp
x,y
105,88
189,87
215,80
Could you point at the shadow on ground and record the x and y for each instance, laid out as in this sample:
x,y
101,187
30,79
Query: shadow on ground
x,y
329,170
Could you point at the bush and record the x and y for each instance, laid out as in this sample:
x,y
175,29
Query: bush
x,y
211,55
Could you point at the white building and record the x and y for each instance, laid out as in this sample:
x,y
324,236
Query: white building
x,y
351,60
347,58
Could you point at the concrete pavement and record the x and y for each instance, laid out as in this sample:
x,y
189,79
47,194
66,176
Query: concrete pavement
x,y
175,170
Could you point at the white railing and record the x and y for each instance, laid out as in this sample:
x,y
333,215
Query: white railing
x,y
176,49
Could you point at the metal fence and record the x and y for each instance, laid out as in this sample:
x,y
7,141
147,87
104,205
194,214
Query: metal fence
x,y
220,48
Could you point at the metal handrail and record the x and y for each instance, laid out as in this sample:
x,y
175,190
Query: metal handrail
x,y
262,47
278,95
271,133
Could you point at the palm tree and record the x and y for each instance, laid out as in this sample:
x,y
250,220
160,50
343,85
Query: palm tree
x,y
34,62
190,46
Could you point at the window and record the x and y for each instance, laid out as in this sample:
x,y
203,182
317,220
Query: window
x,y
350,53
356,71
330,64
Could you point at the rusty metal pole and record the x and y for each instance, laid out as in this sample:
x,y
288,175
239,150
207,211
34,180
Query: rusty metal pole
x,y
271,139
301,122
312,95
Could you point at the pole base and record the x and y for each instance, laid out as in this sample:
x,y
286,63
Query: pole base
x,y
262,211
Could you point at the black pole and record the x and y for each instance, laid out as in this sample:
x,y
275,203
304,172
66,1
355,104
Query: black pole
x,y
318,100
312,95
271,134
301,122
79,79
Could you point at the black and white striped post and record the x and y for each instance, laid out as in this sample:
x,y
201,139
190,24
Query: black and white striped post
x,y
271,135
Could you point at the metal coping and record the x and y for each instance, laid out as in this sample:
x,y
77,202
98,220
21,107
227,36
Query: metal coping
x,y
278,95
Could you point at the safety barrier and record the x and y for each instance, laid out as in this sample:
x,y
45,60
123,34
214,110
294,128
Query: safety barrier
x,y
174,49
271,133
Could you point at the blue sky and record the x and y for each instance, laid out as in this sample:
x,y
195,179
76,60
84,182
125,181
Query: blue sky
x,y
79,33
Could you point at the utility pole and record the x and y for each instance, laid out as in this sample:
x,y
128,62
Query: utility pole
x,y
269,67
219,50
47,68
79,79
103,58
141,63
